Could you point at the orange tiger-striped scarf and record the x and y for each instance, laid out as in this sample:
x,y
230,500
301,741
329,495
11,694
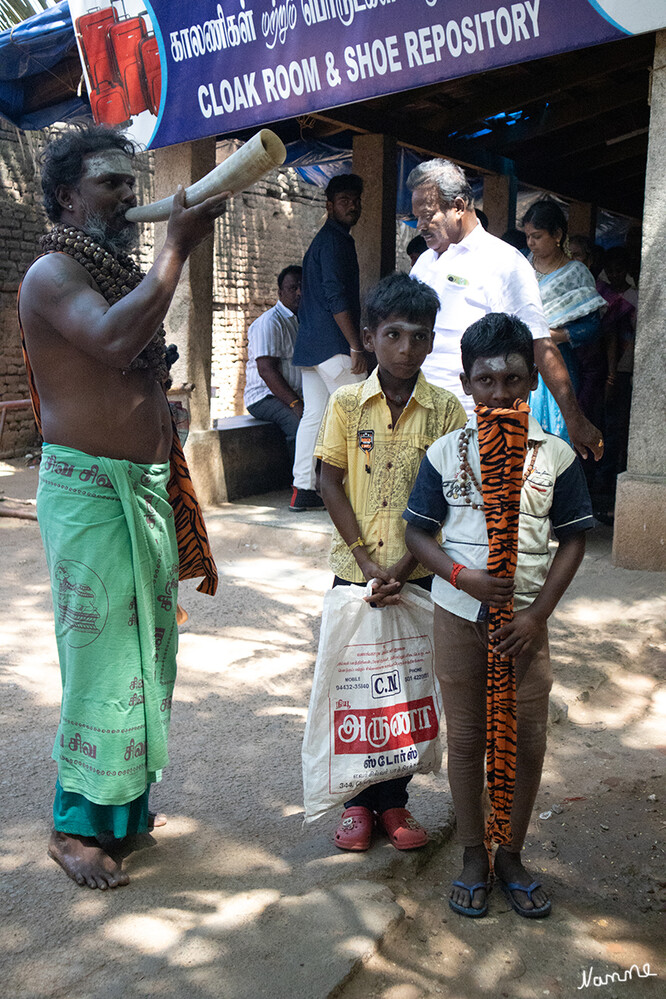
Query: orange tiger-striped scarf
x,y
194,554
502,449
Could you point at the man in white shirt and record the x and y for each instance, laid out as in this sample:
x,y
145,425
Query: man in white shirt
x,y
475,273
272,383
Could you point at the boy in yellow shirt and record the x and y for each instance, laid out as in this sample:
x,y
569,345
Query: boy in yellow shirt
x,y
373,437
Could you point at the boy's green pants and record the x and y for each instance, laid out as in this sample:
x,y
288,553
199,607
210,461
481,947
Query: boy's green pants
x,y
110,543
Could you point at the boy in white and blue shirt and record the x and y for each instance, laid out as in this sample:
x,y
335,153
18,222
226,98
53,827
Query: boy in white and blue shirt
x,y
498,362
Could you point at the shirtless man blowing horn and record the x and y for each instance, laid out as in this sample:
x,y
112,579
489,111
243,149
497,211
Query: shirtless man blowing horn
x,y
113,489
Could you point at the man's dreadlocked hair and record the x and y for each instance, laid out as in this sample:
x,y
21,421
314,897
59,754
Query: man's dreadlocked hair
x,y
62,160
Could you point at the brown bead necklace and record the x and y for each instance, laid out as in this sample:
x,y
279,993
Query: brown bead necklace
x,y
464,484
115,276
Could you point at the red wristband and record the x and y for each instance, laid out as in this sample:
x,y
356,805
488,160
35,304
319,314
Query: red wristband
x,y
455,572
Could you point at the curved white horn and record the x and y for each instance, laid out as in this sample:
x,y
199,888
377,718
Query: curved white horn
x,y
245,167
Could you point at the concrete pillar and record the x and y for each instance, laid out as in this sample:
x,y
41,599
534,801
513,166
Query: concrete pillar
x,y
189,322
582,219
374,159
639,540
499,202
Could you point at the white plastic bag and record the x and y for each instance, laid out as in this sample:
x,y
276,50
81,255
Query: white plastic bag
x,y
375,703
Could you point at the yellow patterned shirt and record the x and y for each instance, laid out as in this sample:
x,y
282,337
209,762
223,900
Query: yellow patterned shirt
x,y
381,462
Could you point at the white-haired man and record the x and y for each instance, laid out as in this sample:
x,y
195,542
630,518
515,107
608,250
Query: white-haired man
x,y
475,273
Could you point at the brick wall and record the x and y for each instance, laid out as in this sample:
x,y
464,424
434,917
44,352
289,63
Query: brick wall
x,y
263,230
22,222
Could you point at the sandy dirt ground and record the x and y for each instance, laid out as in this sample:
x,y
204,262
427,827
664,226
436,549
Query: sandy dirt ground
x,y
234,899
597,838
601,856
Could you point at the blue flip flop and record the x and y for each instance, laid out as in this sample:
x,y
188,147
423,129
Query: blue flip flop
x,y
468,910
536,913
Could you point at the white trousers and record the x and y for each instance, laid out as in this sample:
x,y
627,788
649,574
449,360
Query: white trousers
x,y
319,383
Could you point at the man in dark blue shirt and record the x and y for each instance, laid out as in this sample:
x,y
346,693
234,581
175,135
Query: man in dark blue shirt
x,y
329,348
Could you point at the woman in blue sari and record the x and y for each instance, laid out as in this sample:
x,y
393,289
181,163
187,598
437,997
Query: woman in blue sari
x,y
571,305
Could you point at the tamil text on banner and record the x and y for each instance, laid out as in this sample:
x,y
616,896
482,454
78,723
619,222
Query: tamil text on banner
x,y
172,71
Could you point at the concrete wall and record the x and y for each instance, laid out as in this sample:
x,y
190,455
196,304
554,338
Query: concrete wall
x,y
639,540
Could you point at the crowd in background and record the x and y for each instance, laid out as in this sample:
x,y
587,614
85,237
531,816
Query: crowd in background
x,y
590,299
598,345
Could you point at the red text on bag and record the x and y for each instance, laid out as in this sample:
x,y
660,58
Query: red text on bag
x,y
390,727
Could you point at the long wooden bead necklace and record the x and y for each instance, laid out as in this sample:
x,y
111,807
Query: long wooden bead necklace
x,y
463,486
115,276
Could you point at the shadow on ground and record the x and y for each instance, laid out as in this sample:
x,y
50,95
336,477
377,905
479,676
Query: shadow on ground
x,y
233,898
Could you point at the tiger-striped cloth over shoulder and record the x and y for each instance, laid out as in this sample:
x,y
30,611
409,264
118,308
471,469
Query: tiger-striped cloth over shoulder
x,y
502,449
194,553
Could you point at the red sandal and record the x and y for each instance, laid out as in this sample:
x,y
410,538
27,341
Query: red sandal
x,y
402,829
355,829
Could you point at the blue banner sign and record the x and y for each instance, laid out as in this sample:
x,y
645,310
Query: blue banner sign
x,y
187,70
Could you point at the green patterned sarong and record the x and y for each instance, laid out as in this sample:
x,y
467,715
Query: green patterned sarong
x,y
110,542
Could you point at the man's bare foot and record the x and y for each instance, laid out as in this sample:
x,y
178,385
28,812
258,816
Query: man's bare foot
x,y
83,859
156,820
475,869
509,869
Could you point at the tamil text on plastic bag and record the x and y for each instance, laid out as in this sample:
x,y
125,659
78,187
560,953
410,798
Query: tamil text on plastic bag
x,y
375,703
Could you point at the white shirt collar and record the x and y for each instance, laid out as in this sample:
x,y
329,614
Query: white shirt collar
x,y
283,310
470,241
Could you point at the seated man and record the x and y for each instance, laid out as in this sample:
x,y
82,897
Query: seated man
x,y
272,383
